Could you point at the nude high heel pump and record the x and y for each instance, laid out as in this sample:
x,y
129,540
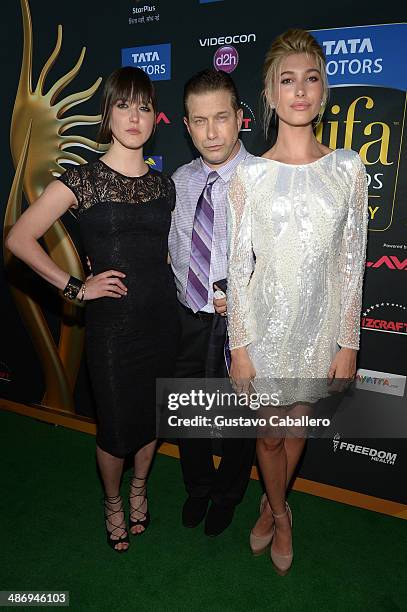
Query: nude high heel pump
x,y
282,563
259,544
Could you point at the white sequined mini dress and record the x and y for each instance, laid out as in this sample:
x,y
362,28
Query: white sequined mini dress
x,y
297,243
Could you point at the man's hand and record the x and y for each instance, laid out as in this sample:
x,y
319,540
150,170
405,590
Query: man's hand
x,y
220,303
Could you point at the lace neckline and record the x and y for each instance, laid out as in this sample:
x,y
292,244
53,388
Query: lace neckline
x,y
125,176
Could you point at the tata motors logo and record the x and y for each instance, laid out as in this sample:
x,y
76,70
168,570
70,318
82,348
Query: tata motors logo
x,y
375,454
155,162
380,382
386,317
365,55
155,60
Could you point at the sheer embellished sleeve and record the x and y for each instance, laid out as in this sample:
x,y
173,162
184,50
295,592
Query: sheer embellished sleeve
x,y
72,178
352,260
240,264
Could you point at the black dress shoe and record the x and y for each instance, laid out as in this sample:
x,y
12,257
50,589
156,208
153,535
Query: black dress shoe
x,y
218,518
194,510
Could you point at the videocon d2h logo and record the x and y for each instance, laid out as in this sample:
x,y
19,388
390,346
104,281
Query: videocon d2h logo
x,y
367,106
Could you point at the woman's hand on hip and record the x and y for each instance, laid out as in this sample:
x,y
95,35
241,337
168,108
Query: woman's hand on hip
x,y
105,284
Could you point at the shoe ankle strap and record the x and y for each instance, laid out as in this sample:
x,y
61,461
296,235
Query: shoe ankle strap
x,y
276,516
111,498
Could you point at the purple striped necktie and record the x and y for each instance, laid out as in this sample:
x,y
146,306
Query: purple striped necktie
x,y
201,246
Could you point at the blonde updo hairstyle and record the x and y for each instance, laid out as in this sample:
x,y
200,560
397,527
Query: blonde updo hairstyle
x,y
290,42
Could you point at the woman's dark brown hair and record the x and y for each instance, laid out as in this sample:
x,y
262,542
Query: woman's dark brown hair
x,y
129,84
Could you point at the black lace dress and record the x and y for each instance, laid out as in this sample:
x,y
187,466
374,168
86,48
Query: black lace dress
x,y
124,224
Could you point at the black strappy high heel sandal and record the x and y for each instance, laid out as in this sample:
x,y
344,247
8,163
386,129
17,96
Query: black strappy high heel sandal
x,y
138,491
120,534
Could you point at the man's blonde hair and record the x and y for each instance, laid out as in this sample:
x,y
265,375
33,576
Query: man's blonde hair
x,y
290,42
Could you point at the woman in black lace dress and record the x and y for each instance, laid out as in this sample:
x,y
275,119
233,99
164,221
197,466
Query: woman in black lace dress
x,y
124,210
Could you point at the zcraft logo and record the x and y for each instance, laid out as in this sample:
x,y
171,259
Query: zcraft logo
x,y
249,118
380,382
391,262
5,373
387,317
381,456
155,162
155,60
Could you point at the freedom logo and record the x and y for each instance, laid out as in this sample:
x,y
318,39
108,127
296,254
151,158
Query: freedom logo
x,y
381,456
155,60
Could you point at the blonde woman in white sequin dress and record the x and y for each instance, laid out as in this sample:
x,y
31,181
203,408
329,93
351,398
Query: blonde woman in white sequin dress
x,y
298,226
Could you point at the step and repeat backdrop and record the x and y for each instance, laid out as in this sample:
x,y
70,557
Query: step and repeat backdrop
x,y
55,58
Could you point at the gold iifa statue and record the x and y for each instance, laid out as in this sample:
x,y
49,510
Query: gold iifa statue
x,y
39,146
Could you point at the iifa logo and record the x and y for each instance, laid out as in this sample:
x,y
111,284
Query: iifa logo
x,y
155,60
365,55
155,162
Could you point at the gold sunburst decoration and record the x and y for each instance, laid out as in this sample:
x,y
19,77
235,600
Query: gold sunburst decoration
x,y
39,146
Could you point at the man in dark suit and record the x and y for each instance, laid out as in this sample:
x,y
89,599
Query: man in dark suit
x,y
198,251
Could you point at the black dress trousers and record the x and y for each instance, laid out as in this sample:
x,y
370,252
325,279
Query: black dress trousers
x,y
227,484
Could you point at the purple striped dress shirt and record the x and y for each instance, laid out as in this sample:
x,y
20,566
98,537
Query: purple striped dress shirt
x,y
190,180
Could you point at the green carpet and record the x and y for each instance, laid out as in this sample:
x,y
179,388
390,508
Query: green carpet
x,y
52,538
